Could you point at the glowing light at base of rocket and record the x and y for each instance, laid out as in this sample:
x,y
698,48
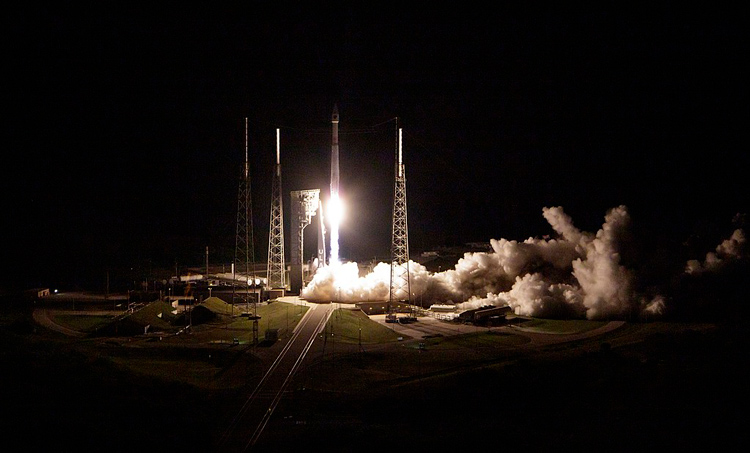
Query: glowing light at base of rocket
x,y
335,214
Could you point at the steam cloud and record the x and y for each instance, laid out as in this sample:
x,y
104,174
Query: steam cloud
x,y
728,251
576,275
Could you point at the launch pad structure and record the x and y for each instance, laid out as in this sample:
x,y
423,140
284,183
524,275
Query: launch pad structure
x,y
244,250
400,290
305,205
275,276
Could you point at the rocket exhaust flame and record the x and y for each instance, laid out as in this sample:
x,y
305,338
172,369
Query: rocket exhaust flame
x,y
335,213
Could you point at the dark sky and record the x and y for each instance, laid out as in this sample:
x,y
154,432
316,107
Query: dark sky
x,y
124,128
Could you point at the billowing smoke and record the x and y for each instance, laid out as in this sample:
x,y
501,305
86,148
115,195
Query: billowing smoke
x,y
730,250
578,275
575,275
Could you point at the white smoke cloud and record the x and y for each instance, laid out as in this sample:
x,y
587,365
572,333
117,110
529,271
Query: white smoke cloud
x,y
729,250
577,275
343,283
606,285
562,224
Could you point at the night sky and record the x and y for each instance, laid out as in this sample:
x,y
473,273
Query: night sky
x,y
124,125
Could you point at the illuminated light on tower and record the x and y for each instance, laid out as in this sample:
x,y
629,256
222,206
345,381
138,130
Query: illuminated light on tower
x,y
400,290
334,207
276,267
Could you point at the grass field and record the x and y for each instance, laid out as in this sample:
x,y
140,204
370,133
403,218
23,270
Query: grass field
x,y
86,324
160,316
562,326
353,327
472,340
281,316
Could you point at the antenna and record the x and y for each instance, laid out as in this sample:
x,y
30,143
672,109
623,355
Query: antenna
x,y
247,161
400,155
243,275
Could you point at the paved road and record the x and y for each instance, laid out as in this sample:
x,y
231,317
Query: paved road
x,y
248,424
547,338
427,326
42,317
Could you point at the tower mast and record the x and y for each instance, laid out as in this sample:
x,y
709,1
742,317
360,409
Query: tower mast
x,y
400,290
276,267
244,254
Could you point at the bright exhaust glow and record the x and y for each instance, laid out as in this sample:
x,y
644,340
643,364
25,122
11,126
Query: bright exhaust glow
x,y
335,214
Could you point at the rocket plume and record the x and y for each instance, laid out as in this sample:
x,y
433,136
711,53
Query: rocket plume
x,y
334,206
577,275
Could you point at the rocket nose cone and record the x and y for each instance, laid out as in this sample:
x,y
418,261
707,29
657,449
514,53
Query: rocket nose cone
x,y
335,115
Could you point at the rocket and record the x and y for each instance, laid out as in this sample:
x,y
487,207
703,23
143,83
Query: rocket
x,y
335,153
335,203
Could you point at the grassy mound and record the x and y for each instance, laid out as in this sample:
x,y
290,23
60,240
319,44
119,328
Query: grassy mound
x,y
156,315
217,306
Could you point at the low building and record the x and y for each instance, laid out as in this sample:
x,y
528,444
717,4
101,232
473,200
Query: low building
x,y
487,313
443,308
483,314
380,307
36,293
181,303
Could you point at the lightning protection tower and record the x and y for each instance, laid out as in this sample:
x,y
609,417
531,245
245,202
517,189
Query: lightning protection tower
x,y
244,252
400,290
276,267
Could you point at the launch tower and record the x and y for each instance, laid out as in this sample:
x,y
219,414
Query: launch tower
x,y
276,267
244,251
400,290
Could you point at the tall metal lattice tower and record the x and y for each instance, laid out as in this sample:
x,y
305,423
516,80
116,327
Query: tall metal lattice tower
x,y
276,267
244,252
400,290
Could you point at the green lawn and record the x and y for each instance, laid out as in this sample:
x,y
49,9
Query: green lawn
x,y
472,340
562,325
349,326
83,323
275,315
200,373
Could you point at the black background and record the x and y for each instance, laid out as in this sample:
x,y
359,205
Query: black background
x,y
124,125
